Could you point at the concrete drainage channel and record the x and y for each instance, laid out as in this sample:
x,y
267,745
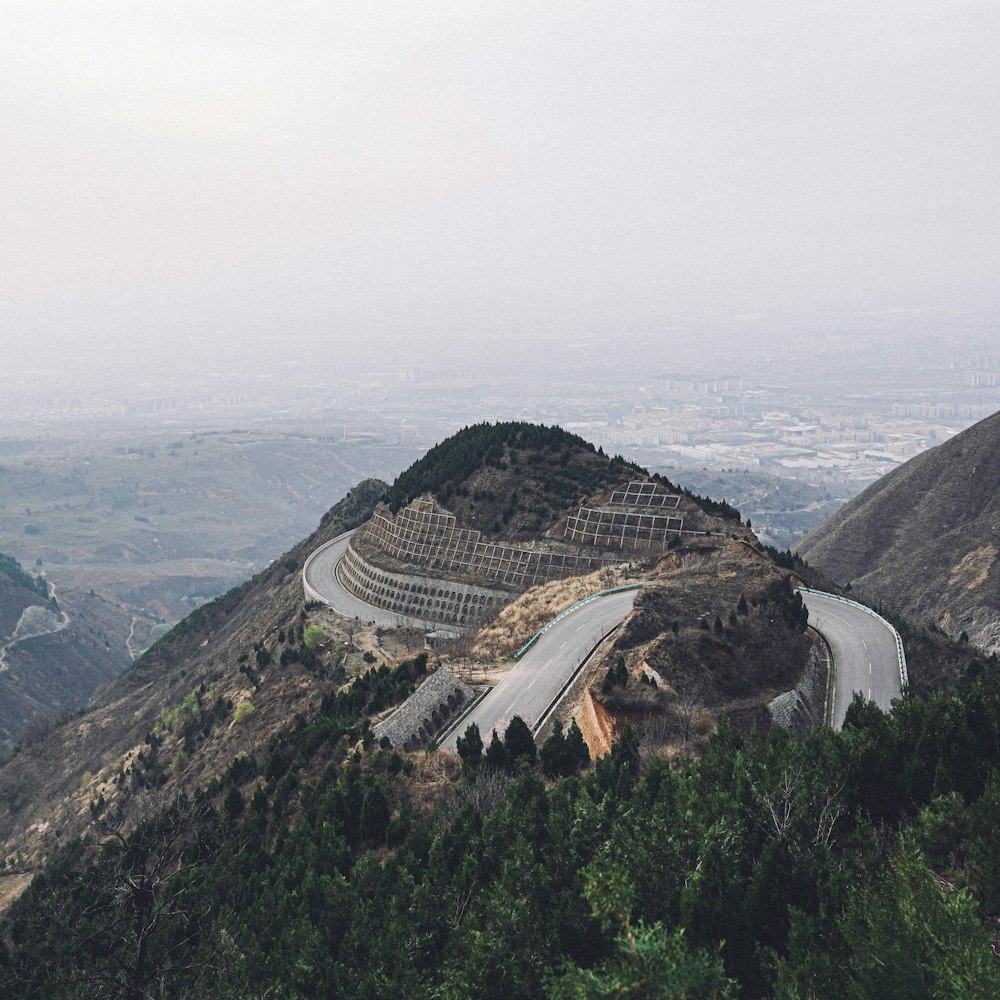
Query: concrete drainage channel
x,y
446,733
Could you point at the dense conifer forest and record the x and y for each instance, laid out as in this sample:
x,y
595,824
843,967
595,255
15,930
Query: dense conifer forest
x,y
448,464
853,864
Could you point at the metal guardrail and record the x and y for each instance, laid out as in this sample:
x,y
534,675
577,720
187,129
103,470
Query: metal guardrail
x,y
562,614
900,654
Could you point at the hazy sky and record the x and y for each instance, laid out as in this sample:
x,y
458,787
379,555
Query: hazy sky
x,y
220,173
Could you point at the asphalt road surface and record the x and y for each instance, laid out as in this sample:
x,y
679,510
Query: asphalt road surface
x,y
864,654
530,688
320,573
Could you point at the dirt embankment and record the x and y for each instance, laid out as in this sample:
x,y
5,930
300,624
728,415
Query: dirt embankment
x,y
597,726
522,618
719,632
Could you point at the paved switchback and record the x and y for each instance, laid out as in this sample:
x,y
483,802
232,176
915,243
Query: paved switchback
x,y
864,650
534,683
531,687
319,576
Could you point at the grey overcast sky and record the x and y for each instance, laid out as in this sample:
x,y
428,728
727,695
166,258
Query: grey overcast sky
x,y
179,174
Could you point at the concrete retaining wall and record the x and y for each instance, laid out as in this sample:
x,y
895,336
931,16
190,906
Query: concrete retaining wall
x,y
801,710
425,598
426,712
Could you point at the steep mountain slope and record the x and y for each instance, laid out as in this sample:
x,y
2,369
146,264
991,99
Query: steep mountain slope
x,y
170,721
19,590
242,832
177,719
925,539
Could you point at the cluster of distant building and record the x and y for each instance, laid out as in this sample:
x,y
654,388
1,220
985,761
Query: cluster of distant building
x,y
722,423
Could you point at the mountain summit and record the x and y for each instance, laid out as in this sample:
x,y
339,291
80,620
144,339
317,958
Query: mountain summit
x,y
924,540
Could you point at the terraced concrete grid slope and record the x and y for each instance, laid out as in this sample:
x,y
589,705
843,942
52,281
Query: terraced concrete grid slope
x,y
864,653
540,675
332,572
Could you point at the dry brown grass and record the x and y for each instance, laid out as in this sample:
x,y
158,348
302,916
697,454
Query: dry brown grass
x,y
973,569
521,619
11,886
433,776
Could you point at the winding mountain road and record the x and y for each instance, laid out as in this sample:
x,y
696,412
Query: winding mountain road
x,y
548,666
864,651
36,620
319,576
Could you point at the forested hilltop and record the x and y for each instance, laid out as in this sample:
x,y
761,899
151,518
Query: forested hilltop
x,y
513,478
859,864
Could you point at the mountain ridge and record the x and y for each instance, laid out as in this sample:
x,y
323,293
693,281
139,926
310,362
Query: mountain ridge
x,y
169,721
924,541
224,822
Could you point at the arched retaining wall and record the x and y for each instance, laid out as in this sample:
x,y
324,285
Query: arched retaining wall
x,y
441,602
425,713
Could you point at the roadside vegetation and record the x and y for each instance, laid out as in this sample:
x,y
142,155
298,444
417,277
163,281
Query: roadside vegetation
x,y
858,864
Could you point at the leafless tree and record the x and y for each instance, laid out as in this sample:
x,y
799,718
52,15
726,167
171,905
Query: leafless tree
x,y
132,906
654,731
777,807
484,794
686,708
461,898
350,629
795,798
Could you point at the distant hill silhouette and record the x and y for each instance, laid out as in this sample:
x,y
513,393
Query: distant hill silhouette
x,y
925,539
54,654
